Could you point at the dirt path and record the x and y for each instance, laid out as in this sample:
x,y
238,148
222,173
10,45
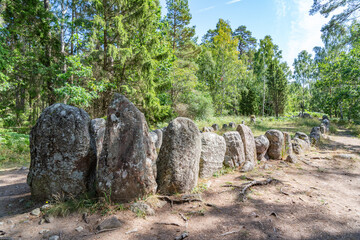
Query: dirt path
x,y
318,198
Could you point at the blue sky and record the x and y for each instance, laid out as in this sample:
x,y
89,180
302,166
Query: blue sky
x,y
286,21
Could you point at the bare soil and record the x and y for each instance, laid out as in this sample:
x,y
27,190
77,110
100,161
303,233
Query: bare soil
x,y
316,198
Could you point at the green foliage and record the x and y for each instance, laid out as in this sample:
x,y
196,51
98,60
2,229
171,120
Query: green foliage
x,y
14,149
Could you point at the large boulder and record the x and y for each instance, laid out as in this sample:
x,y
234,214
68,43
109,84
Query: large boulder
x,y
262,145
276,148
126,166
63,155
235,154
212,154
98,133
179,157
315,136
299,145
249,146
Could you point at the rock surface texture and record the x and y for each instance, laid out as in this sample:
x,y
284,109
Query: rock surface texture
x,y
179,157
300,146
98,133
212,154
63,158
262,145
276,148
315,136
215,127
126,166
232,125
247,138
302,136
235,154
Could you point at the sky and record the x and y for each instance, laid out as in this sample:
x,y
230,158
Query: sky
x,y
287,21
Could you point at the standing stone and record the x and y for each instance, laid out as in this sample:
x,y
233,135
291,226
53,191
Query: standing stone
x,y
252,119
300,146
276,148
179,157
232,125
326,122
287,144
262,145
212,154
125,169
215,127
63,158
315,136
235,154
322,128
225,126
302,136
249,145
325,117
98,133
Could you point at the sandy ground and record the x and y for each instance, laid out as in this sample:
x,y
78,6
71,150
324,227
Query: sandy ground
x,y
317,198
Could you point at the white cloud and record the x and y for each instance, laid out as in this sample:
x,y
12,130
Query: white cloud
x,y
305,31
280,8
206,9
233,1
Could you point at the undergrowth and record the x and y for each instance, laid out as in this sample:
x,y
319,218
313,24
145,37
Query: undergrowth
x,y
14,149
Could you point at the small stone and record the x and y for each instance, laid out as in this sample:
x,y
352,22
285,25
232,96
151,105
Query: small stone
x,y
344,156
48,219
142,207
132,231
36,212
43,231
23,168
79,229
267,166
291,158
109,223
54,237
1,223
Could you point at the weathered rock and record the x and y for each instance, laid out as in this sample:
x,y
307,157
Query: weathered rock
x,y
212,154
326,122
300,146
207,129
215,127
98,133
276,148
79,229
262,145
225,126
248,166
143,208
127,163
325,117
54,237
109,223
157,138
302,136
315,136
36,212
232,125
323,128
248,140
179,157
63,158
288,150
235,153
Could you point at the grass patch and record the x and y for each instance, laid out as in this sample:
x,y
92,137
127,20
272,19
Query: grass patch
x,y
14,149
223,171
62,208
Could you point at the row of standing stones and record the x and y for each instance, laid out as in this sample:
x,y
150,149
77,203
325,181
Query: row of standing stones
x,y
72,154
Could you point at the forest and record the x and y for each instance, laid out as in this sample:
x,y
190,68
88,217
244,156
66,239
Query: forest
x,y
81,52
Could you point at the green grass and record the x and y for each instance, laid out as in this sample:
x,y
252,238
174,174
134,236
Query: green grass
x,y
14,149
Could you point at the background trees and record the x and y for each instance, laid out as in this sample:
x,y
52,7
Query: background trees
x,y
81,52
